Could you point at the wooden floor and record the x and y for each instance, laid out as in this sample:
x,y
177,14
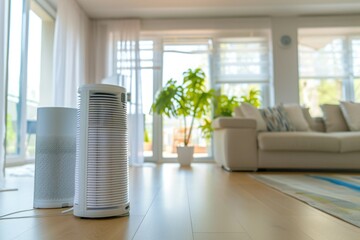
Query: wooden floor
x,y
202,202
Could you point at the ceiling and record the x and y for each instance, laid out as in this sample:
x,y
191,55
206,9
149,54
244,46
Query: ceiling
x,y
214,8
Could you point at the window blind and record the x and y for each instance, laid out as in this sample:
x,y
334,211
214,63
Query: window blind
x,y
241,60
325,60
355,46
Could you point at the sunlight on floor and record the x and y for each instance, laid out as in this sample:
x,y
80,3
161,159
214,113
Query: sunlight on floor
x,y
20,171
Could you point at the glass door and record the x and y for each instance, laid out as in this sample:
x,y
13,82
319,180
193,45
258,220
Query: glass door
x,y
178,57
29,76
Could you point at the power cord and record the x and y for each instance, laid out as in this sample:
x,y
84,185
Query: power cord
x,y
21,211
8,189
67,210
5,216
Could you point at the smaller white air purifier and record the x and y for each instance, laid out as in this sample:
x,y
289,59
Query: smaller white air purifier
x,y
102,169
55,157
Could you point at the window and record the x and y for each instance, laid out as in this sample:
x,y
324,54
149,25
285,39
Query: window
x,y
242,64
328,67
233,65
29,76
355,52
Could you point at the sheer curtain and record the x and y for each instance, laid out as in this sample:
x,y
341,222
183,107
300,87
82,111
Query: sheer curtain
x,y
3,64
72,36
117,61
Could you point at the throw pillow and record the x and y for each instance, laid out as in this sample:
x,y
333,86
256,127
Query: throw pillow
x,y
316,124
333,118
249,111
276,119
296,117
238,112
309,119
351,112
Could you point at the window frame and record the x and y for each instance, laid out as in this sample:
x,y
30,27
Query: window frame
x,y
265,83
347,79
20,157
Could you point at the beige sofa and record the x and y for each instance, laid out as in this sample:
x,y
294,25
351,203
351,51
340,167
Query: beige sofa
x,y
239,146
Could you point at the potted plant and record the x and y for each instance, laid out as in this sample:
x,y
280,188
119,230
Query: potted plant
x,y
224,107
188,100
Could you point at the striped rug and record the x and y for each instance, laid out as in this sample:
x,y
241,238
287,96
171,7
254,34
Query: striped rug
x,y
335,194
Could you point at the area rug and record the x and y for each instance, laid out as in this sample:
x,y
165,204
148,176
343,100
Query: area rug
x,y
335,194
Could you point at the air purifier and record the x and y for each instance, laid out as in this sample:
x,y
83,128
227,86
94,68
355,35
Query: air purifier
x,y
55,156
102,169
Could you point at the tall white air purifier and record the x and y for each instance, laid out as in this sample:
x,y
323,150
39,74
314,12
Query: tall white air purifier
x,y
55,157
102,169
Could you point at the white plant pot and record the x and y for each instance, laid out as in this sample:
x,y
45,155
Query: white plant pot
x,y
185,155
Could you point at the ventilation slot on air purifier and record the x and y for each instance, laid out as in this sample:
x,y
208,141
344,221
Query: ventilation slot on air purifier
x,y
77,163
102,168
107,168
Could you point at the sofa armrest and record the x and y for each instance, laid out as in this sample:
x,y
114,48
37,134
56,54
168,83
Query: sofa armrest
x,y
233,122
235,144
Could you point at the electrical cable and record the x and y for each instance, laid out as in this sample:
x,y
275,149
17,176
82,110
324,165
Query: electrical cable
x,y
8,189
21,211
5,216
68,210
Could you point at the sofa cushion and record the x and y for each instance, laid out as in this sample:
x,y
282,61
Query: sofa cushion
x,y
298,141
238,112
318,124
296,117
249,111
349,141
334,119
351,112
276,119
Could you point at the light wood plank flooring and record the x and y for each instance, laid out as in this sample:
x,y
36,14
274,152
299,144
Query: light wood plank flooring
x,y
202,202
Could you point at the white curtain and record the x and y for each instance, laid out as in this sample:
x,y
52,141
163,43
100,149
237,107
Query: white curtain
x,y
71,50
3,64
117,61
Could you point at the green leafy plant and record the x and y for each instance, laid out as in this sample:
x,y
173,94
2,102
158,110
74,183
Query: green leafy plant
x,y
224,107
187,99
253,98
146,136
206,129
10,134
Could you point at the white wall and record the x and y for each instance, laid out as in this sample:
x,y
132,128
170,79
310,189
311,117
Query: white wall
x,y
285,60
203,24
329,21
